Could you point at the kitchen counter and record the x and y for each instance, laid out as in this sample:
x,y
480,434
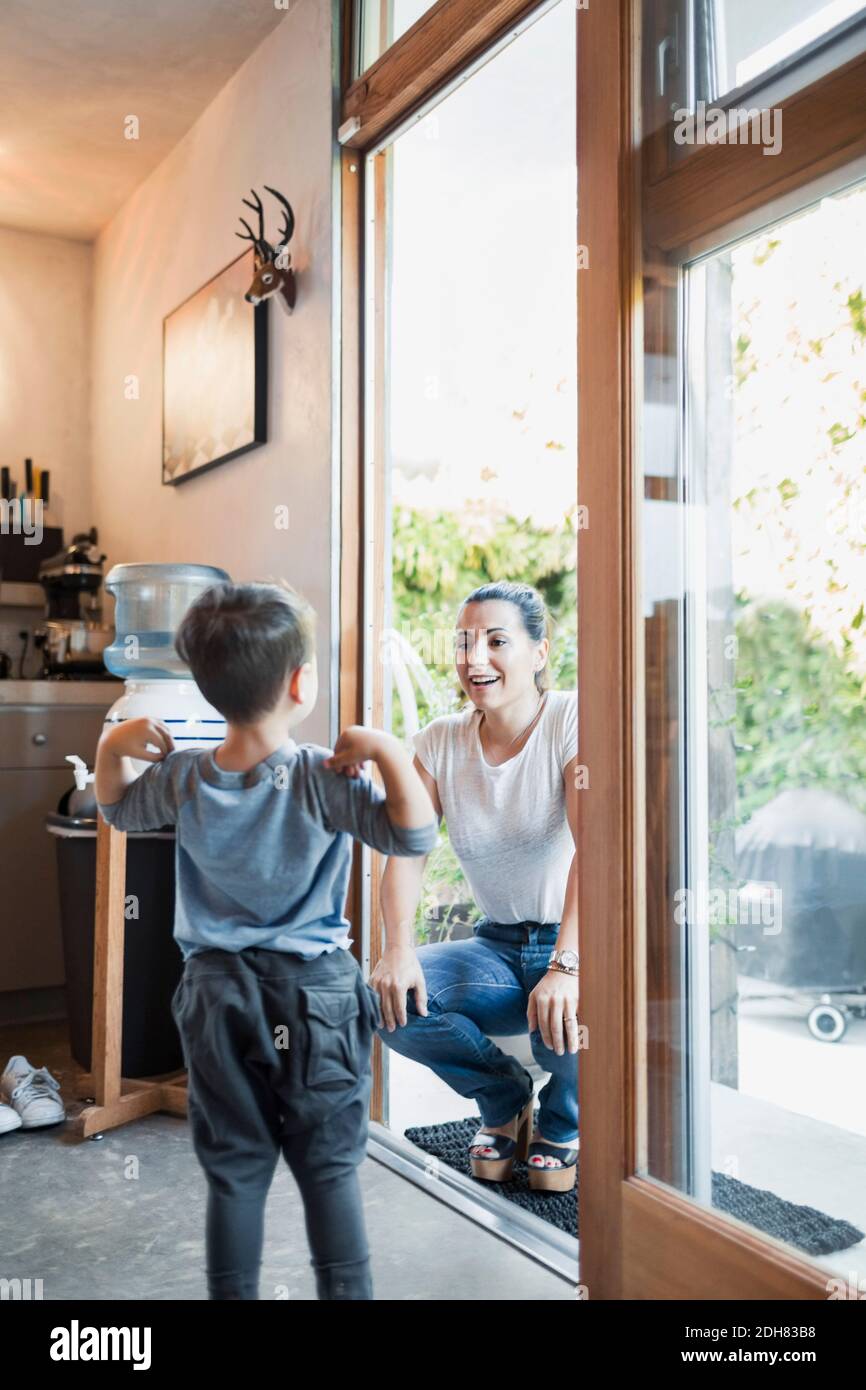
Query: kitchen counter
x,y
59,692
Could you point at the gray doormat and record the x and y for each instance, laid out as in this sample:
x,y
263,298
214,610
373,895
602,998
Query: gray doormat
x,y
808,1230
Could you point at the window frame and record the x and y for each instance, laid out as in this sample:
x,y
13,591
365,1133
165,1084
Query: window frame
x,y
823,129
640,1239
779,84
447,38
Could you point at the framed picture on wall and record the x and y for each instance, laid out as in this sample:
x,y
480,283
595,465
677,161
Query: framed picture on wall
x,y
214,375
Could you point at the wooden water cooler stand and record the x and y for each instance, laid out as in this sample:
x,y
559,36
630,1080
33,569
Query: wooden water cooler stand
x,y
115,1099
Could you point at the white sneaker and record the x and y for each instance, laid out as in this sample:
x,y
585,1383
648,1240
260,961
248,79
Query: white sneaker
x,y
9,1119
33,1093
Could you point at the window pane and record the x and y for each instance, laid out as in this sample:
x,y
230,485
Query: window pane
x,y
385,21
755,640
479,411
744,40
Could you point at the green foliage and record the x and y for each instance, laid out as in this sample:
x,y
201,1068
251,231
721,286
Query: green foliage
x,y
744,361
788,491
857,310
444,890
840,434
765,251
437,560
800,709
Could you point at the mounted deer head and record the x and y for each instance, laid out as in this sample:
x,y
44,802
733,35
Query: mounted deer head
x,y
272,263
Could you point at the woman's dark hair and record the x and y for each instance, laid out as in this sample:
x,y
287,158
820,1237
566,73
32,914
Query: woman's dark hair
x,y
242,642
537,621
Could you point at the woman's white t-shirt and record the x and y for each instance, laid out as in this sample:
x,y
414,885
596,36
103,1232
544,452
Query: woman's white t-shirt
x,y
507,824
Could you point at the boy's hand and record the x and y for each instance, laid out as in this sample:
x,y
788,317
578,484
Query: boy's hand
x,y
407,802
354,747
147,740
131,739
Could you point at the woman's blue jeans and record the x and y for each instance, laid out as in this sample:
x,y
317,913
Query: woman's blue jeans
x,y
480,987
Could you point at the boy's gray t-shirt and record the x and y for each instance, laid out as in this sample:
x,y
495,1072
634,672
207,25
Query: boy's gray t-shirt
x,y
262,857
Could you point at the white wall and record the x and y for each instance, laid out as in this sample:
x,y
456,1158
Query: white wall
x,y
270,125
45,288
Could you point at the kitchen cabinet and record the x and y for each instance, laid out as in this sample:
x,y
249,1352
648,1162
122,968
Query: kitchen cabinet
x,y
40,722
30,945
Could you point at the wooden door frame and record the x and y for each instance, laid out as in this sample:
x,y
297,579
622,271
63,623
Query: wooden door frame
x,y
639,1239
607,879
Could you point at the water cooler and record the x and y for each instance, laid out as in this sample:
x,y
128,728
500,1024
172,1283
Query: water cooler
x,y
150,601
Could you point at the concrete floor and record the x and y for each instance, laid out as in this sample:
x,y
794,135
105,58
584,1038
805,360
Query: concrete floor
x,y
123,1217
796,1126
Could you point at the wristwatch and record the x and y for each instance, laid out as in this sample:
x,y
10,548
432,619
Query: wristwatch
x,y
569,961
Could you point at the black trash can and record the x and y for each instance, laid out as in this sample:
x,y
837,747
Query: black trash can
x,y
152,963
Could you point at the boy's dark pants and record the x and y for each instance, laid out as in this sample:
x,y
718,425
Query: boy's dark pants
x,y
278,1049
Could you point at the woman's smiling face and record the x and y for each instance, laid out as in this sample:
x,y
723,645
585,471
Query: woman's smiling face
x,y
495,657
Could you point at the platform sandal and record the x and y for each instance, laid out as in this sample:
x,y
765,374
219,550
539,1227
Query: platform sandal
x,y
561,1179
499,1166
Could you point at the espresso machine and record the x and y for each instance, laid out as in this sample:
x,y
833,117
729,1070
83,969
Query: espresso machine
x,y
73,636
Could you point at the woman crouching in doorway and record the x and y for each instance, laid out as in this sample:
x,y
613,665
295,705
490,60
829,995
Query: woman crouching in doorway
x,y
503,772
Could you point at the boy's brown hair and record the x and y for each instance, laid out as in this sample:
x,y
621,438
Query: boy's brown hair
x,y
242,642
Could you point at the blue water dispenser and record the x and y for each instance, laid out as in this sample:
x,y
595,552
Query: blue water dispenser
x,y
150,601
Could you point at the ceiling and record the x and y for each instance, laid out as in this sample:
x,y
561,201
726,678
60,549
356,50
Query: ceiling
x,y
71,71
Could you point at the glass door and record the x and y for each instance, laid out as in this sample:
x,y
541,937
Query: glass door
x,y
755,666
720,587
470,425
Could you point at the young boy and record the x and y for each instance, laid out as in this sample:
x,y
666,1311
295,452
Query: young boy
x,y
275,1018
